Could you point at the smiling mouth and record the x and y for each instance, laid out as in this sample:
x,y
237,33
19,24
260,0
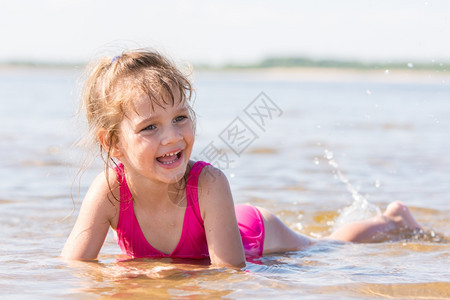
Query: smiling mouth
x,y
169,158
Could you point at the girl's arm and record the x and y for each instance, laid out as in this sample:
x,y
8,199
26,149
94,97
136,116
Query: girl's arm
x,y
217,207
92,224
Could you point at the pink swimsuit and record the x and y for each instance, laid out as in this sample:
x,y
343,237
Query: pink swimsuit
x,y
192,242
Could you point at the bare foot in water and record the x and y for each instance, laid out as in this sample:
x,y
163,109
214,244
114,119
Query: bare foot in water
x,y
399,214
395,223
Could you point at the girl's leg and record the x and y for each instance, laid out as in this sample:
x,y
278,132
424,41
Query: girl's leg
x,y
279,237
395,221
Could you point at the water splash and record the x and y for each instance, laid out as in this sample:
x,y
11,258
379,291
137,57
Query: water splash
x,y
361,208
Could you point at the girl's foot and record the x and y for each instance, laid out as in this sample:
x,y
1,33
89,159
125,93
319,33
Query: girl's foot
x,y
395,223
399,214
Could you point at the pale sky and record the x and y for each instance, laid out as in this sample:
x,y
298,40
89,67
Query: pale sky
x,y
226,31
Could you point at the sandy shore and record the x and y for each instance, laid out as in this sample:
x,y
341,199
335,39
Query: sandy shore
x,y
338,75
287,74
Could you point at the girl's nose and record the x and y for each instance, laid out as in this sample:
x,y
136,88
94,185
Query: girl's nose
x,y
171,135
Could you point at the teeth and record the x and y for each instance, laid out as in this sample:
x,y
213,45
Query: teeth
x,y
171,154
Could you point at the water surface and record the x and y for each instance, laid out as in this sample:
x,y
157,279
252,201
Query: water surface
x,y
388,136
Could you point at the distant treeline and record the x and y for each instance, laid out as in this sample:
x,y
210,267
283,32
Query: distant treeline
x,y
42,64
275,62
302,62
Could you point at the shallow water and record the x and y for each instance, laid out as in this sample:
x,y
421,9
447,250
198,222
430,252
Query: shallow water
x,y
388,137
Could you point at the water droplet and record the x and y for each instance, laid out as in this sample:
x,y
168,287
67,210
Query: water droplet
x,y
386,72
410,65
232,175
377,183
328,154
368,92
318,126
298,226
316,160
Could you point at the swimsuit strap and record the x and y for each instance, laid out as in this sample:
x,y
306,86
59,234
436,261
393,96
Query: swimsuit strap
x,y
125,194
192,188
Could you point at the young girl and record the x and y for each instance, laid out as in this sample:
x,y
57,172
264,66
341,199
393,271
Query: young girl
x,y
159,202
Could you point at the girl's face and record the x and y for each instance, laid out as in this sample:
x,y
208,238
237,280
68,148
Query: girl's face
x,y
156,143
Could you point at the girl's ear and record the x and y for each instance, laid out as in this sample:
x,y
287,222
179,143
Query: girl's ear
x,y
107,143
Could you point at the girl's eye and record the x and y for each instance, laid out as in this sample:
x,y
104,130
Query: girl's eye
x,y
180,118
150,127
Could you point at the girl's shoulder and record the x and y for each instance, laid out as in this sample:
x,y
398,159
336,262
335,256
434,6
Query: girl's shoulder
x,y
211,177
213,189
104,194
107,184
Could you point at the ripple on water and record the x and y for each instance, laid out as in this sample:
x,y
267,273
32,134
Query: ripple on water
x,y
426,290
263,150
43,163
6,201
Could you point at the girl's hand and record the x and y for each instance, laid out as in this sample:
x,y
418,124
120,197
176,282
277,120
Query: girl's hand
x,y
217,208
